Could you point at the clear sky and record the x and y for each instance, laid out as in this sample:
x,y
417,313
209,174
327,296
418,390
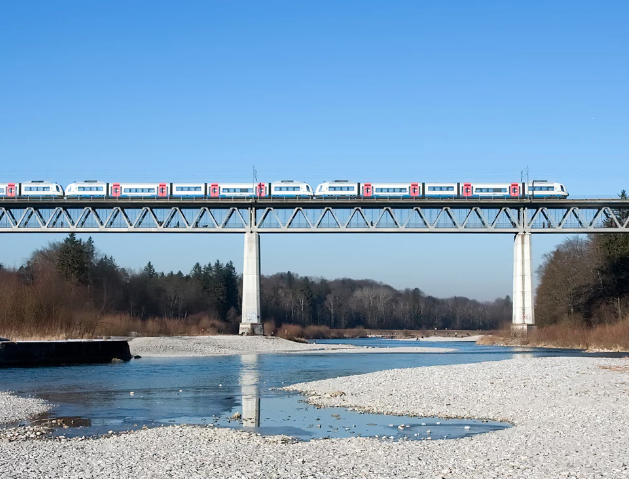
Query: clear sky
x,y
315,90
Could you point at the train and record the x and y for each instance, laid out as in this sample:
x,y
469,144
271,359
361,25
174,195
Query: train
x,y
284,189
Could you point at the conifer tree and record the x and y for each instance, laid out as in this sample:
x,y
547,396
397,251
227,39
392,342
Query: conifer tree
x,y
73,260
149,270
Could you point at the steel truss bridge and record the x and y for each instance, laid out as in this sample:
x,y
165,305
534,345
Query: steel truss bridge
x,y
313,216
520,217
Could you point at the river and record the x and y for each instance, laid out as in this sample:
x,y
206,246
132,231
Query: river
x,y
151,392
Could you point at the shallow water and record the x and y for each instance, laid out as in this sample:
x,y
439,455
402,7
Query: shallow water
x,y
95,399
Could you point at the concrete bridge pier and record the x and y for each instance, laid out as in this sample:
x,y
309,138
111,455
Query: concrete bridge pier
x,y
251,322
523,308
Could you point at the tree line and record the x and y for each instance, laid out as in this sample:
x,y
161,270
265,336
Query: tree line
x,y
585,280
71,282
349,303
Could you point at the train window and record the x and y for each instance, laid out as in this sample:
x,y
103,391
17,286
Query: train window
x,y
287,188
341,188
187,188
391,190
490,190
37,188
139,190
543,188
562,189
441,188
237,190
1,191
90,188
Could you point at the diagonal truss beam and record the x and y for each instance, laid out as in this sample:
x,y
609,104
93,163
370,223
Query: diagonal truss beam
x,y
346,218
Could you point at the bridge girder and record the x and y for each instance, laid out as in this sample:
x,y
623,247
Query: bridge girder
x,y
488,217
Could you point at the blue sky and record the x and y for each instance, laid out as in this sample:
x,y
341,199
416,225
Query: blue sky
x,y
316,90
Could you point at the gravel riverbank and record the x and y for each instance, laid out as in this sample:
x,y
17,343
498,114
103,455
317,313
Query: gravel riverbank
x,y
571,419
226,345
14,408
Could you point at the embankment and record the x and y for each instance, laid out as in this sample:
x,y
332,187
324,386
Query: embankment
x,y
53,353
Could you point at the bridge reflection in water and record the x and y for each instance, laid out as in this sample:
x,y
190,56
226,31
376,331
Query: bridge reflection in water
x,y
249,378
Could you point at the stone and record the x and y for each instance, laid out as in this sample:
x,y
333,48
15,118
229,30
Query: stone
x,y
334,394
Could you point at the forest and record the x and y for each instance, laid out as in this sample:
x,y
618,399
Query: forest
x,y
585,280
70,289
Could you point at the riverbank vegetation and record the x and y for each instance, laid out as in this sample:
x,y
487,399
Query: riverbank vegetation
x,y
585,281
70,289
604,337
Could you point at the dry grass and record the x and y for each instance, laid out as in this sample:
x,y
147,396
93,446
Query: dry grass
x,y
48,309
607,337
123,325
292,332
295,332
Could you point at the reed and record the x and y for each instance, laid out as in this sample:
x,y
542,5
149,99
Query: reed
x,y
295,332
124,325
604,337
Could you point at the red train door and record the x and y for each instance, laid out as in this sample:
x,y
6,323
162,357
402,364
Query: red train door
x,y
11,189
261,190
514,190
467,189
214,190
414,189
367,190
115,190
162,190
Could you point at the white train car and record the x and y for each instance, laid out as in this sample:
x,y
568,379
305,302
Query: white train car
x,y
40,189
545,189
188,190
337,188
139,190
441,190
491,190
291,189
87,188
390,190
237,190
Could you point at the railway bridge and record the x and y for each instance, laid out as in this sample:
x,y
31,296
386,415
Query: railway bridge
x,y
518,217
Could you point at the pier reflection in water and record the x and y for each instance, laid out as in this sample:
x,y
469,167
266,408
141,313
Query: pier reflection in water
x,y
249,390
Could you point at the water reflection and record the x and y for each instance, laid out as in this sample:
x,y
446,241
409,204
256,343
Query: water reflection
x,y
249,380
